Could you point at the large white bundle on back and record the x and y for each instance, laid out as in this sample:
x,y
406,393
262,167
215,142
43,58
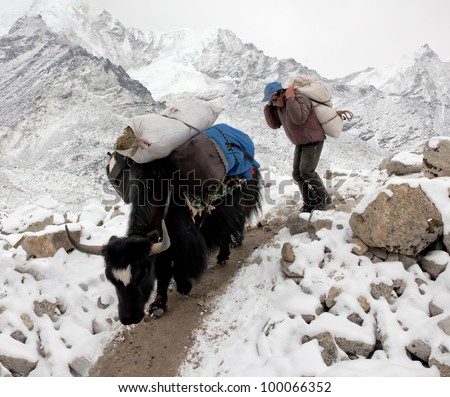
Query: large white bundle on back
x,y
313,89
155,136
330,120
196,113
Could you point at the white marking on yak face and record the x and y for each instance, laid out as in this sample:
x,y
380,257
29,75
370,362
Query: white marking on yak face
x,y
123,275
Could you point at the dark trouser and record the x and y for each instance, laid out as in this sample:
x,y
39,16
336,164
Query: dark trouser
x,y
306,158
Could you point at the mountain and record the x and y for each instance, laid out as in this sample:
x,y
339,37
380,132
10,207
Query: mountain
x,y
421,75
60,110
70,77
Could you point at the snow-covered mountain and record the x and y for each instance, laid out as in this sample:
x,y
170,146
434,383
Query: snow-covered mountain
x,y
70,76
61,108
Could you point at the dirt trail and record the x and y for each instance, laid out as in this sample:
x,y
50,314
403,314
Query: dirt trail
x,y
158,347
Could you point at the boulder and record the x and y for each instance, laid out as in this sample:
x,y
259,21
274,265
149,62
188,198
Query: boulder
x,y
326,341
354,347
403,163
80,366
402,220
17,366
436,153
435,262
419,348
46,245
296,224
30,218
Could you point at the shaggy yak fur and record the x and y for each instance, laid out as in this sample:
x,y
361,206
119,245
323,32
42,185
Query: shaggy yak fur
x,y
157,198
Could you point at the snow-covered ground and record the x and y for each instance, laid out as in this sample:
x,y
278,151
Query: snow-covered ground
x,y
60,311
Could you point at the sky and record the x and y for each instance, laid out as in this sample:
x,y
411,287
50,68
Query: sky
x,y
335,38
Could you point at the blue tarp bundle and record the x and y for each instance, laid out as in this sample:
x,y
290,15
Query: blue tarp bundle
x,y
232,141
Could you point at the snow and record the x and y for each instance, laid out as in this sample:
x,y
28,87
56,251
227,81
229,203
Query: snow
x,y
408,158
257,326
259,319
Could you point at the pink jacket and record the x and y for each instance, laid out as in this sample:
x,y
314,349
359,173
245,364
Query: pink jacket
x,y
298,119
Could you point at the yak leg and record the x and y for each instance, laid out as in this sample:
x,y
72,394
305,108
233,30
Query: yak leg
x,y
180,275
224,252
163,277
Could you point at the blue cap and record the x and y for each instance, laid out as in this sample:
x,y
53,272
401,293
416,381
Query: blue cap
x,y
270,90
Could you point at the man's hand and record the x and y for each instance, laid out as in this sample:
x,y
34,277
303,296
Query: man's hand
x,y
290,93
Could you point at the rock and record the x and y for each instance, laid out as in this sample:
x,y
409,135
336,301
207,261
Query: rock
x,y
44,307
404,222
104,301
434,263
287,252
440,358
80,366
27,321
329,174
344,207
444,369
295,275
381,290
435,310
355,318
19,336
392,257
436,153
28,218
354,347
439,303
326,342
364,304
4,372
399,286
379,252
308,318
314,227
444,325
403,163
360,248
446,240
419,348
46,245
17,366
2,309
296,224
407,261
117,212
333,293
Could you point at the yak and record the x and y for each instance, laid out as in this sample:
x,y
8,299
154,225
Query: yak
x,y
164,241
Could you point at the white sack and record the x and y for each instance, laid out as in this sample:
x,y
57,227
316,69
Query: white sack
x,y
197,113
313,89
331,122
158,136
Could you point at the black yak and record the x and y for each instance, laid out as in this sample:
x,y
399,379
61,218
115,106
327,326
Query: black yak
x,y
164,240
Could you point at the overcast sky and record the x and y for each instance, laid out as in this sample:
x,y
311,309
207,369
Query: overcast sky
x,y
334,37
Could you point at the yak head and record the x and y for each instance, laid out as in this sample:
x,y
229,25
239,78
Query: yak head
x,y
129,266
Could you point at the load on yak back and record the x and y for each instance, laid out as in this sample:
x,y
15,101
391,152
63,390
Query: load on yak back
x,y
192,185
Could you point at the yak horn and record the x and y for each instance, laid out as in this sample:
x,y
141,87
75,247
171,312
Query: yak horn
x,y
87,249
157,248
